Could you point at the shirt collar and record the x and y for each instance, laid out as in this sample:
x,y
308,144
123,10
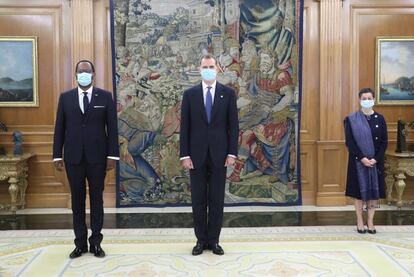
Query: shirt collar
x,y
89,91
213,86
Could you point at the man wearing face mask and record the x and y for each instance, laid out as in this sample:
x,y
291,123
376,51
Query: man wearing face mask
x,y
366,138
208,144
86,131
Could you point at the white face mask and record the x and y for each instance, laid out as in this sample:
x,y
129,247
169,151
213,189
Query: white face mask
x,y
84,79
367,103
208,74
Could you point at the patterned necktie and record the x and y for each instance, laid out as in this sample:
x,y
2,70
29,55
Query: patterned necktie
x,y
209,104
85,102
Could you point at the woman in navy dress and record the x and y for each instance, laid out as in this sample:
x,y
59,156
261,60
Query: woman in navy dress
x,y
366,139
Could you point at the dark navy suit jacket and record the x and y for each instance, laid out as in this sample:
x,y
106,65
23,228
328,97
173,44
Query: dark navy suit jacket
x,y
198,137
94,134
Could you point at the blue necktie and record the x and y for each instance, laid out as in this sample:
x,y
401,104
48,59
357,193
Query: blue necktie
x,y
209,104
85,102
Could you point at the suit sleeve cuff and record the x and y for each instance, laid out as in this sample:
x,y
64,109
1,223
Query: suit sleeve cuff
x,y
57,159
183,158
113,158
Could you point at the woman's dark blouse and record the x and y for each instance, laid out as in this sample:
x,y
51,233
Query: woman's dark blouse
x,y
380,138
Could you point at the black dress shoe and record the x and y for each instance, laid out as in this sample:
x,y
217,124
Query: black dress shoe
x,y
198,249
216,248
97,251
363,231
373,231
78,251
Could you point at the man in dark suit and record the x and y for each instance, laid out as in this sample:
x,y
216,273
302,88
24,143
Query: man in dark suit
x,y
86,129
208,144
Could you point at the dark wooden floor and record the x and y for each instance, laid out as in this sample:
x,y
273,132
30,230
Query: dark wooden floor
x,y
184,220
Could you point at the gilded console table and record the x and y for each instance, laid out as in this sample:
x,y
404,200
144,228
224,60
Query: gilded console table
x,y
397,166
14,169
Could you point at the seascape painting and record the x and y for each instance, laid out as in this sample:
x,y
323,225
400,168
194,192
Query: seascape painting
x,y
395,71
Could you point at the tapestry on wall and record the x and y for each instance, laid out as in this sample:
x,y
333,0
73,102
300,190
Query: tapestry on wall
x,y
157,47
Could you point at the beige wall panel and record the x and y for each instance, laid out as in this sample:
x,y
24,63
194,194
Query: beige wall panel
x,y
332,161
308,172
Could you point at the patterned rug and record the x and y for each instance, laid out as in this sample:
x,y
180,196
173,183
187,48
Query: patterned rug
x,y
285,251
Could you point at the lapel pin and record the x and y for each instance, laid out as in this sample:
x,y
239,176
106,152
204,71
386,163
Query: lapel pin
x,y
96,94
221,96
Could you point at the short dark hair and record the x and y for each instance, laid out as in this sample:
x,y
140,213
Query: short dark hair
x,y
366,90
208,57
84,61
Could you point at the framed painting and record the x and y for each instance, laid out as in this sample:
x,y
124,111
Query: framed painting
x,y
394,76
18,72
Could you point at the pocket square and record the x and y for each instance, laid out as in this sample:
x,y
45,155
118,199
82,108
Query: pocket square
x,y
99,107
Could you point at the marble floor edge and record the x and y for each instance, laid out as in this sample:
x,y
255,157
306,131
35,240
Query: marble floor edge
x,y
225,230
241,209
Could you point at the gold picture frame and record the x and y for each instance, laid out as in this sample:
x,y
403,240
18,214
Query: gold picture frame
x,y
18,71
394,73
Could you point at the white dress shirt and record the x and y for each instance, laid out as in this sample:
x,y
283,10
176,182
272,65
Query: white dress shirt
x,y
80,94
212,91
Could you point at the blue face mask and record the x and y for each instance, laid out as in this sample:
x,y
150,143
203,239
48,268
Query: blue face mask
x,y
208,74
367,104
84,79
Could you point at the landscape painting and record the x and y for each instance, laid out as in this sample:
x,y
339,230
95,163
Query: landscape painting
x,y
18,72
395,71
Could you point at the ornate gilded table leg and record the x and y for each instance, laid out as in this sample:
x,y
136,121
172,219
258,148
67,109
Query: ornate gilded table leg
x,y
400,186
13,190
23,184
390,168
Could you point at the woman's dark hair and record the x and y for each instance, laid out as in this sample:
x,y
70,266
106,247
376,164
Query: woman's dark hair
x,y
366,90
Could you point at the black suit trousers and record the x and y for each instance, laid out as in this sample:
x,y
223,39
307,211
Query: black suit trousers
x,y
95,175
207,198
